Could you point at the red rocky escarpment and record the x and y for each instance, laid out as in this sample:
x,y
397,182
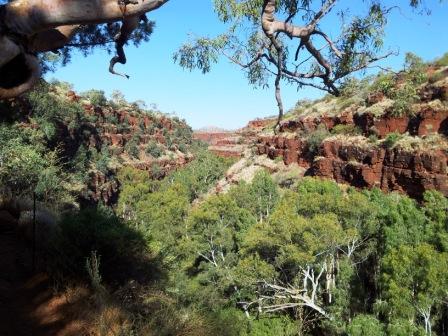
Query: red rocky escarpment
x,y
362,165
392,169
355,160
428,120
224,144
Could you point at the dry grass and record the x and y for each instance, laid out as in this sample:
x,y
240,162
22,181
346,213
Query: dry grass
x,y
427,143
353,140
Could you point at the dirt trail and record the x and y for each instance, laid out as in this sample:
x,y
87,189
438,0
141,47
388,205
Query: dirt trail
x,y
28,305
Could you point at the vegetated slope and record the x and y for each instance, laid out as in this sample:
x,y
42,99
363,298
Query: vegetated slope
x,y
70,146
68,149
388,131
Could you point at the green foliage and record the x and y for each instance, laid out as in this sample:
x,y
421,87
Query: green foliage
x,y
414,280
95,229
200,174
50,111
135,185
96,97
112,119
391,139
365,325
346,130
156,171
153,149
384,83
386,252
404,97
26,167
403,88
436,210
132,146
259,197
102,163
315,139
442,61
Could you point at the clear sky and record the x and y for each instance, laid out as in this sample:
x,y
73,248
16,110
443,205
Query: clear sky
x,y
223,97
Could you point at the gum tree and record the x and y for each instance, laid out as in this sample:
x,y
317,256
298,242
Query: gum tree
x,y
315,43
283,39
30,28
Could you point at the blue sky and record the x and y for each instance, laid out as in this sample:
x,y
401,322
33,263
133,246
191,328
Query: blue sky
x,y
223,97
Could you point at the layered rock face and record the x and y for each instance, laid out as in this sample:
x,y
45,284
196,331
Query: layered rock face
x,y
415,160
224,144
124,131
110,136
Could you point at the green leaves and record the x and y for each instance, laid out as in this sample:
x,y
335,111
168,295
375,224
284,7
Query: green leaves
x,y
200,53
415,280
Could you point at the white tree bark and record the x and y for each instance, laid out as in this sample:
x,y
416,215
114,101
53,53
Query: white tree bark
x,y
28,17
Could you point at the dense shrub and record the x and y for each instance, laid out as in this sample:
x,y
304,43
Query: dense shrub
x,y
346,129
391,139
97,229
153,149
96,97
315,139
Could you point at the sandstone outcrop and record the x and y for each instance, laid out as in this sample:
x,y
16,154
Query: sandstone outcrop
x,y
415,161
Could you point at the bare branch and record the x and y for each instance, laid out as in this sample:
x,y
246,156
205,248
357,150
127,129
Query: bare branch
x,y
128,26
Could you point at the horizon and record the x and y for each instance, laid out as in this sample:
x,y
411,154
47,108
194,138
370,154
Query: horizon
x,y
223,98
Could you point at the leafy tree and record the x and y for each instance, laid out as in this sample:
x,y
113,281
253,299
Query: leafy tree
x,y
96,97
134,186
200,174
272,47
436,209
214,234
415,282
160,216
365,325
259,197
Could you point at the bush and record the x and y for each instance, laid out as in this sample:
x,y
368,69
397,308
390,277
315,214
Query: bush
x,y
95,229
96,97
373,139
365,325
156,171
384,83
315,139
404,98
102,164
442,61
132,147
154,149
183,148
112,119
391,139
346,130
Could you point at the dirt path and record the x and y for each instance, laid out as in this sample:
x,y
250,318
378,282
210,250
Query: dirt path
x,y
28,305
